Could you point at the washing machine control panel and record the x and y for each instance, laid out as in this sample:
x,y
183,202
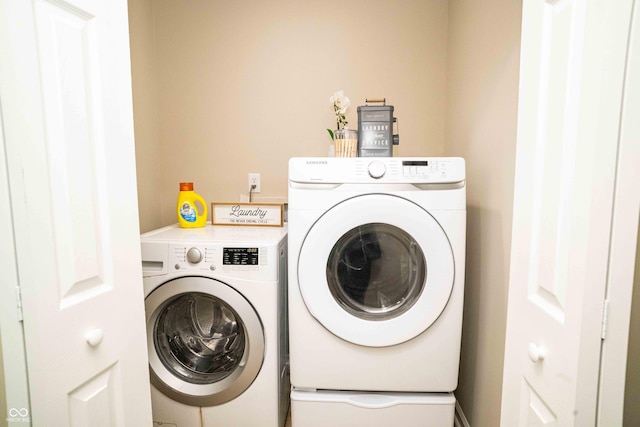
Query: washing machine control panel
x,y
219,258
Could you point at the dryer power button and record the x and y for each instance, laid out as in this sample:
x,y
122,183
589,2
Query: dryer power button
x,y
194,255
377,169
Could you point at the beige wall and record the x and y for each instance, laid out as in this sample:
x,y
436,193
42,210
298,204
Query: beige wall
x,y
483,66
243,86
145,112
632,389
222,89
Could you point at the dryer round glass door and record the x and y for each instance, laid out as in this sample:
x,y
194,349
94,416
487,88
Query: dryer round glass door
x,y
376,270
205,341
370,285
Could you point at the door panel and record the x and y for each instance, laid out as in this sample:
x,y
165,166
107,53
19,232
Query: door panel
x,y
66,95
533,410
552,176
96,396
70,84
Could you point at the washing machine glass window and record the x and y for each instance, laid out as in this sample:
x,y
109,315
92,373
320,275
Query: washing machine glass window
x,y
199,338
206,342
376,271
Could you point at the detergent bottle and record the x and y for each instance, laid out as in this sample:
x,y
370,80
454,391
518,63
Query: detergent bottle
x,y
188,215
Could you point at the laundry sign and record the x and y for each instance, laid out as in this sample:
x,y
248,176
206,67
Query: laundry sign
x,y
258,214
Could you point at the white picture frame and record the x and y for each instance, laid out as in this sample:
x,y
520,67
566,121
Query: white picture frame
x,y
247,214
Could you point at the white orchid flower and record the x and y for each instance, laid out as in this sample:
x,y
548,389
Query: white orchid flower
x,y
340,104
336,96
340,101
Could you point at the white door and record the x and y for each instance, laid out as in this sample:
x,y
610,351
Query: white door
x,y
624,244
571,84
68,123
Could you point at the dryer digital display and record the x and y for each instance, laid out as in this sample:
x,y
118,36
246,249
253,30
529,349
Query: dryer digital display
x,y
240,256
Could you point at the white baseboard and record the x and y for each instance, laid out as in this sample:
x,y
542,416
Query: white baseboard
x,y
460,420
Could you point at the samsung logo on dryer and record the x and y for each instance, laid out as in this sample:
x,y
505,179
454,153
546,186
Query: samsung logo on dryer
x,y
317,162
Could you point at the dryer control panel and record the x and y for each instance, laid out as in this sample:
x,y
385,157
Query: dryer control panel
x,y
388,170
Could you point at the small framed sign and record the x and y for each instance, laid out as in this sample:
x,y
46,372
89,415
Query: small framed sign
x,y
257,214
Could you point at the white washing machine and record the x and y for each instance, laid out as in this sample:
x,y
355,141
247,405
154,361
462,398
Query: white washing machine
x,y
376,278
215,301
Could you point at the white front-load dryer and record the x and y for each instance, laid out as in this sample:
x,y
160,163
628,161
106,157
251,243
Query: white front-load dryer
x,y
376,273
215,300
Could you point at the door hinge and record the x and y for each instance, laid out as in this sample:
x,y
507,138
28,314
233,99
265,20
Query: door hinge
x,y
19,303
605,319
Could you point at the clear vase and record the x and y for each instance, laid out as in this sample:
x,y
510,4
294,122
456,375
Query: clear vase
x,y
346,142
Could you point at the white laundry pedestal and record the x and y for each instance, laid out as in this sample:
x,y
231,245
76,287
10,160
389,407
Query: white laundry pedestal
x,y
323,408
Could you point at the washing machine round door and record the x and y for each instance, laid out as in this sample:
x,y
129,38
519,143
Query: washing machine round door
x,y
205,341
376,270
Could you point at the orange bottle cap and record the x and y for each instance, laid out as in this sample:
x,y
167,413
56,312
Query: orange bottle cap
x,y
186,186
